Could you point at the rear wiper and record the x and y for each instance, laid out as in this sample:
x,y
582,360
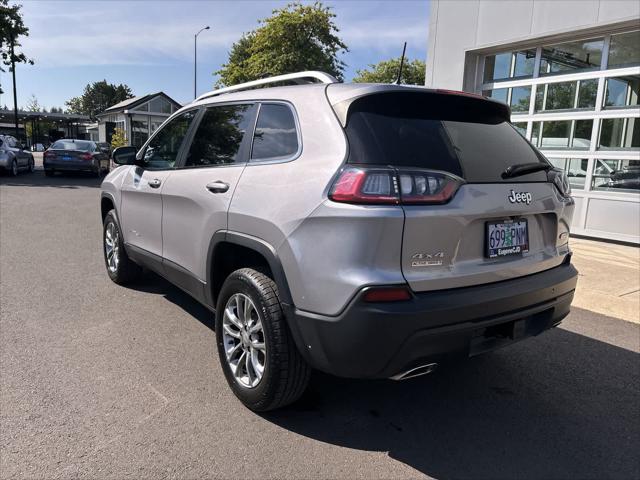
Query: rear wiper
x,y
524,169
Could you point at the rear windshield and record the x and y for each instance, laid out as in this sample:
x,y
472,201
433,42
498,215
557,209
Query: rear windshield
x,y
81,145
466,136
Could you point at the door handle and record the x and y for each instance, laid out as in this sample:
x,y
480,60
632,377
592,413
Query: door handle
x,y
155,183
217,187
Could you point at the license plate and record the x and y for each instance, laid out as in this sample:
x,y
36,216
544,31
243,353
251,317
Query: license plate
x,y
67,158
507,238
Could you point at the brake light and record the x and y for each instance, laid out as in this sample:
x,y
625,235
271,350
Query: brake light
x,y
390,186
49,154
86,156
387,294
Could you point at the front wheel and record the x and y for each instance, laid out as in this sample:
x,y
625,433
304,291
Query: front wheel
x,y
32,165
120,267
14,168
258,356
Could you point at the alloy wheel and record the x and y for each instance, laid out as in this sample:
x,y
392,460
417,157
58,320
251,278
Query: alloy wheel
x,y
112,246
244,340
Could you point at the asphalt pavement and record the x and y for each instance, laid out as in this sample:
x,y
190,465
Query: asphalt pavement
x,y
102,381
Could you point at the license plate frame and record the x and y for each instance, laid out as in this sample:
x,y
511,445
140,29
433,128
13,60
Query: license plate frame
x,y
501,251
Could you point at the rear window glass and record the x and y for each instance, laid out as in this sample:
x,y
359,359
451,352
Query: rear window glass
x,y
466,136
81,145
275,135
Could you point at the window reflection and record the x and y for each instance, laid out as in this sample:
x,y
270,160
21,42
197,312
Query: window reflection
x,y
619,133
622,91
574,134
616,175
509,65
566,95
517,98
571,56
624,50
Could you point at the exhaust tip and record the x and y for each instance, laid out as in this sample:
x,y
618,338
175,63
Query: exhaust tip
x,y
416,372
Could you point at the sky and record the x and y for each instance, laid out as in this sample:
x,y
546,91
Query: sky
x,y
148,44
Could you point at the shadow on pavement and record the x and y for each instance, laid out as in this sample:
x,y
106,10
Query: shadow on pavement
x,y
561,405
59,180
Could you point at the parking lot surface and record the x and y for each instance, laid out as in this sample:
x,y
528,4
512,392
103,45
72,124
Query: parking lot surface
x,y
102,381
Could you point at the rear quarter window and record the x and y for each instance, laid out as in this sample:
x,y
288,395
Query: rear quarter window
x,y
275,136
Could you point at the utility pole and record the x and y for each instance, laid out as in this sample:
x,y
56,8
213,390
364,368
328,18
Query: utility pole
x,y
195,61
15,95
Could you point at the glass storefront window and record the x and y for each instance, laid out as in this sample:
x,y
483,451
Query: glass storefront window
x,y
520,97
616,175
521,127
624,50
558,134
562,96
571,56
509,65
622,91
616,133
517,98
499,94
575,168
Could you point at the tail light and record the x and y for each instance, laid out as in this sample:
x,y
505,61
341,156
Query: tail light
x,y
86,156
390,186
49,154
559,178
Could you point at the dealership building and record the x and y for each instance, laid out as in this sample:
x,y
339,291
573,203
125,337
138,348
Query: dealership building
x,y
571,73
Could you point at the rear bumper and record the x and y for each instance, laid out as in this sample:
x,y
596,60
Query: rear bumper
x,y
379,340
82,166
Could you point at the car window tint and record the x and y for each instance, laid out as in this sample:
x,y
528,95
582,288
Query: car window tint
x,y
218,139
275,135
162,151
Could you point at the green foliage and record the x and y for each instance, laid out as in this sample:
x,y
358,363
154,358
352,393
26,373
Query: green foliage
x,y
295,38
11,29
386,71
97,97
118,139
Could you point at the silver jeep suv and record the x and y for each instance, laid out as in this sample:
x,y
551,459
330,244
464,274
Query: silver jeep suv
x,y
368,231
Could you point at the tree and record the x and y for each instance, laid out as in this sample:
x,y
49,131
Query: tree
x,y
295,38
33,105
413,72
118,138
11,29
97,97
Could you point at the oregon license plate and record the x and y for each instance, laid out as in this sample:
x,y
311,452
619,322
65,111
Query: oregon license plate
x,y
507,238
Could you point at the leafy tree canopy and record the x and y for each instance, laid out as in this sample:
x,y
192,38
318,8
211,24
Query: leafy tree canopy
x,y
295,38
413,72
97,97
11,29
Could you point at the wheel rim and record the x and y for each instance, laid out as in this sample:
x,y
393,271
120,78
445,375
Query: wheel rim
x,y
243,340
112,246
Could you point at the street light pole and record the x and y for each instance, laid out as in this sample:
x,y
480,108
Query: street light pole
x,y
195,61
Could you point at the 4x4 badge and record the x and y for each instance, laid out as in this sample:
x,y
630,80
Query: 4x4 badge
x,y
427,259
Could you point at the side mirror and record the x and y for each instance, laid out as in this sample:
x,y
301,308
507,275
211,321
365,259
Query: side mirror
x,y
124,155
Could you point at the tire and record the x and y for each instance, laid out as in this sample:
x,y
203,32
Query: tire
x,y
14,169
120,268
32,165
285,374
49,173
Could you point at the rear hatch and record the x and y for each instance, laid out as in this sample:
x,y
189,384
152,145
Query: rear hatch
x,y
467,222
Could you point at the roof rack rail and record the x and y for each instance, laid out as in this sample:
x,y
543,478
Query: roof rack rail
x,y
298,77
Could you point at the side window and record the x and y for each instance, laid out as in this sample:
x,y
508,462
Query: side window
x,y
220,135
161,153
275,136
